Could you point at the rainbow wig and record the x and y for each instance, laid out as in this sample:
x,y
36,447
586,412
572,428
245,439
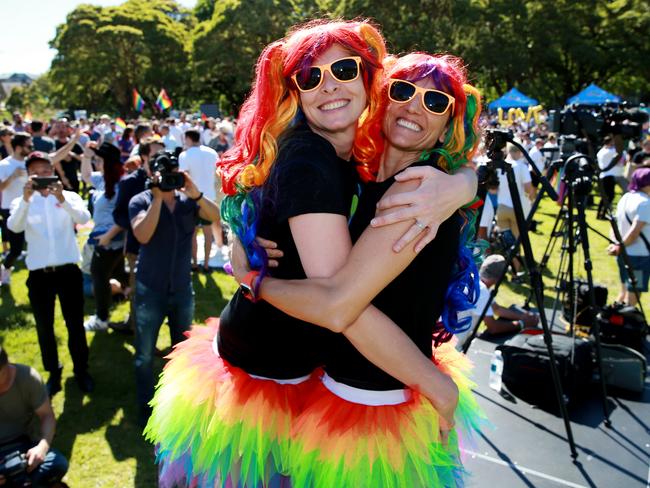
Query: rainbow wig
x,y
273,106
448,74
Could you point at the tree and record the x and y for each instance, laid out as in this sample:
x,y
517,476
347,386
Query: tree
x,y
226,47
103,53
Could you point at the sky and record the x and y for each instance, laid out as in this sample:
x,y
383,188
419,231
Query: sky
x,y
29,25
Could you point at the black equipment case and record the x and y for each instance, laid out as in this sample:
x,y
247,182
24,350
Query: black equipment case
x,y
624,325
527,372
623,367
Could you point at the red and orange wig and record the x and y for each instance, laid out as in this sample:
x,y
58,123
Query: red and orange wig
x,y
274,100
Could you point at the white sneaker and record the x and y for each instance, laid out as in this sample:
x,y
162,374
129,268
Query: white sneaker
x,y
5,276
94,324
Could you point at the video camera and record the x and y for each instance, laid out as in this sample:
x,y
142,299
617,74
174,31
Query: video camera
x,y
13,467
166,164
595,123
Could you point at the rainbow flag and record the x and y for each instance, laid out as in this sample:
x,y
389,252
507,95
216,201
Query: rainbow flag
x,y
138,101
163,102
204,117
120,123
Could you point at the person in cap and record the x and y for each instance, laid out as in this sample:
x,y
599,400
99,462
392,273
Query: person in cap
x,y
47,215
107,237
632,217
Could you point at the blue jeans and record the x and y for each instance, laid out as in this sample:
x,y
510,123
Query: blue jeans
x,y
151,308
52,469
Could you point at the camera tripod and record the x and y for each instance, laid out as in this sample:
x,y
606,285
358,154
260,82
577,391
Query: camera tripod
x,y
497,141
565,228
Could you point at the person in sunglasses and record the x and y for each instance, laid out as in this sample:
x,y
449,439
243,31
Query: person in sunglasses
x,y
224,407
360,423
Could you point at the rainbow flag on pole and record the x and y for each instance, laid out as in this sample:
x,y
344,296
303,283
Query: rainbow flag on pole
x,y
119,122
138,101
163,102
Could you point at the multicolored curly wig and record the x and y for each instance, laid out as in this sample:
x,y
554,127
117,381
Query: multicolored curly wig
x,y
448,74
272,107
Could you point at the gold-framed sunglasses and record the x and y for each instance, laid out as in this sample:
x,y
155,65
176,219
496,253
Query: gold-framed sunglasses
x,y
434,101
345,70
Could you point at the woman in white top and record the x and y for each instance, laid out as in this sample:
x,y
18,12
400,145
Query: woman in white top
x,y
633,215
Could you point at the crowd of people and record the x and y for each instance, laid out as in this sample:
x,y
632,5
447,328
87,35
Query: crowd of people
x,y
54,179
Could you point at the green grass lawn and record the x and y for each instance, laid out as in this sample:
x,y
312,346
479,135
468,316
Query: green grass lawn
x,y
98,432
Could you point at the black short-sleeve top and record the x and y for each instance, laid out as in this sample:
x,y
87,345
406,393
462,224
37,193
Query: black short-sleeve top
x,y
307,177
414,300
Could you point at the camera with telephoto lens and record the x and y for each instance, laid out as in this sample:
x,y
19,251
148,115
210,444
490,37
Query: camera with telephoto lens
x,y
595,123
13,467
165,163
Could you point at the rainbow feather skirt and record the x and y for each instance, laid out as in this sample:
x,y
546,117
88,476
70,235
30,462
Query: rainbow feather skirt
x,y
214,425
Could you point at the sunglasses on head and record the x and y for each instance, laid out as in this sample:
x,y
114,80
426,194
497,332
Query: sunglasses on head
x,y
434,101
344,70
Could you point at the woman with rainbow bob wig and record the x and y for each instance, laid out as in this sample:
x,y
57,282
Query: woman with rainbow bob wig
x,y
361,426
230,394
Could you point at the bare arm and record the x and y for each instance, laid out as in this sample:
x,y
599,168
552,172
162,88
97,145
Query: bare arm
x,y
144,224
374,335
86,165
36,455
336,302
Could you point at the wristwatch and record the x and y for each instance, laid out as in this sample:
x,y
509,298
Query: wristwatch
x,y
249,286
197,198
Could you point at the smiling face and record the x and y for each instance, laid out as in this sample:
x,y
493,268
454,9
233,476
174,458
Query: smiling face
x,y
335,106
410,127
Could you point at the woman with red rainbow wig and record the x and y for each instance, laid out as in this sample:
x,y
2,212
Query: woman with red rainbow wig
x,y
224,408
361,426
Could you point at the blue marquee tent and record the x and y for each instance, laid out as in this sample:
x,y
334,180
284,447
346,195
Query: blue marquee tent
x,y
593,95
512,99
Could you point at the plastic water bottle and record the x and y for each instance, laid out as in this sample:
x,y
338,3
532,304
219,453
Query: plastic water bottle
x,y
496,370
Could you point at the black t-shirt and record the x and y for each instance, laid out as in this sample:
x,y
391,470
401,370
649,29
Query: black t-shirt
x,y
307,177
70,165
414,300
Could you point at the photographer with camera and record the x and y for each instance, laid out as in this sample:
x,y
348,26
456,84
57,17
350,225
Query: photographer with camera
x,y
128,187
47,215
633,220
163,221
22,398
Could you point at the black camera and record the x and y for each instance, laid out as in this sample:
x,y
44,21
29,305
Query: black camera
x,y
166,164
595,123
43,182
13,467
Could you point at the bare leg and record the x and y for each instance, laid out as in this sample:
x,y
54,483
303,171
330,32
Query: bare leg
x,y
217,233
194,247
207,238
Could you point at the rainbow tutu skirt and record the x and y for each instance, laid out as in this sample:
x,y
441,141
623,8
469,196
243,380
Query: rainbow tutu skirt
x,y
216,426
340,443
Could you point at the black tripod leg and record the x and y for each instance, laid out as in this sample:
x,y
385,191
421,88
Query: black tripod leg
x,y
538,287
584,238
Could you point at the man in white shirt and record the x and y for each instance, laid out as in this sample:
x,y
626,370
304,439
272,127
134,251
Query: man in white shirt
x,y
633,219
537,156
168,139
13,177
611,172
505,213
47,215
201,164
